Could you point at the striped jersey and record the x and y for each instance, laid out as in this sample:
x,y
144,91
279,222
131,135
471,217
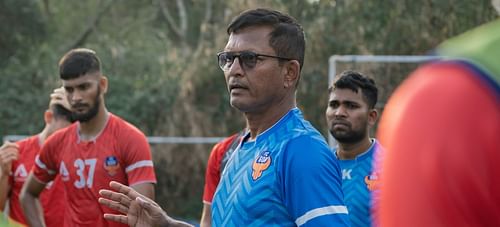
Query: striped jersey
x,y
359,183
287,176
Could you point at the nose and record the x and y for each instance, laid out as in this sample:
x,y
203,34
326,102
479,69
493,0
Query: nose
x,y
75,96
340,111
236,68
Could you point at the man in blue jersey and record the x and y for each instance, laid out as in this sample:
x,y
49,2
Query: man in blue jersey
x,y
283,173
350,115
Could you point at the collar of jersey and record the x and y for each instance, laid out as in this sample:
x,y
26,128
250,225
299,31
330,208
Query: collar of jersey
x,y
292,112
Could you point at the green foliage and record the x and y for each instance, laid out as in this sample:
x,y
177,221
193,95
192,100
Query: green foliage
x,y
159,57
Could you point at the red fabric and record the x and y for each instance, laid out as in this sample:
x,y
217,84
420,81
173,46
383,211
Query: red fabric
x,y
441,133
86,167
213,173
52,198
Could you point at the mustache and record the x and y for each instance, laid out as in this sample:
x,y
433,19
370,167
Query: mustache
x,y
78,105
341,122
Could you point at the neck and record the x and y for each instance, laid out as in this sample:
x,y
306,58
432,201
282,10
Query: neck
x,y
351,151
260,121
43,135
90,129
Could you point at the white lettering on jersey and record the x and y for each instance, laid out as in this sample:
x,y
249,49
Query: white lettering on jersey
x,y
346,174
20,174
85,179
63,171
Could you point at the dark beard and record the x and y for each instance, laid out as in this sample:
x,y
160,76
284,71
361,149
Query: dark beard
x,y
85,117
350,138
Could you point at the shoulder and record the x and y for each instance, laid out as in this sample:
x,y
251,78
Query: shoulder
x,y
308,152
61,136
123,128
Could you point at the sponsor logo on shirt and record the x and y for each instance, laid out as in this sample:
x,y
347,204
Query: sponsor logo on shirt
x,y
20,174
111,165
261,163
372,181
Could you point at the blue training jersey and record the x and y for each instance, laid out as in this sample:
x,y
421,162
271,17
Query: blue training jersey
x,y
287,176
359,183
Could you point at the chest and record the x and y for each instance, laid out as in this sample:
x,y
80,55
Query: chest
x,y
86,164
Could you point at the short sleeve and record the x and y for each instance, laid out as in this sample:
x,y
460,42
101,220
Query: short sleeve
x,y
212,173
45,168
139,165
312,184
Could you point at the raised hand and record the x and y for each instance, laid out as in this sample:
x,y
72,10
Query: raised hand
x,y
139,210
8,152
58,96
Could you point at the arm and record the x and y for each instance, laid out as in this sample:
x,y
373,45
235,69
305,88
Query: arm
x,y
8,153
138,209
30,201
206,216
312,184
145,189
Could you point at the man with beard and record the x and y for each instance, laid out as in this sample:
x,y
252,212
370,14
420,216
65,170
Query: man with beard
x,y
99,148
350,115
282,173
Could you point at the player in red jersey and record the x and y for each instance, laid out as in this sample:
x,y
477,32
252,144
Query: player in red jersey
x,y
216,162
440,129
17,159
87,155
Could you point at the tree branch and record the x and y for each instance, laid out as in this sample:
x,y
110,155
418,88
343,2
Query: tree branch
x,y
82,38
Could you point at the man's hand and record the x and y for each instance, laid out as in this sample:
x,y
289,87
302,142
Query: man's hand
x,y
58,96
139,210
8,152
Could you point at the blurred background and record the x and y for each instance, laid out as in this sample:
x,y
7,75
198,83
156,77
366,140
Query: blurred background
x,y
160,58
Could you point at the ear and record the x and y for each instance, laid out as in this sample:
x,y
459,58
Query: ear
x,y
103,83
372,117
292,73
48,116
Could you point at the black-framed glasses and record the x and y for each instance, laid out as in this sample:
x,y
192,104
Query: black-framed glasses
x,y
247,59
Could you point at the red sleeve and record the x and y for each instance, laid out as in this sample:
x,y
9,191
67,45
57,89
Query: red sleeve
x,y
138,163
46,163
213,173
441,133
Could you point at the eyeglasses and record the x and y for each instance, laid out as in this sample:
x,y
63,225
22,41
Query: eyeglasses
x,y
247,59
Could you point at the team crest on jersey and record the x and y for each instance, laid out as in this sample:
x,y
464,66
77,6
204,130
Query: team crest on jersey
x,y
111,165
261,163
372,181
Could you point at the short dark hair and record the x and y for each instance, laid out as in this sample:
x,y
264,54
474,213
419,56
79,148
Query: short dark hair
x,y
354,81
78,62
287,39
59,112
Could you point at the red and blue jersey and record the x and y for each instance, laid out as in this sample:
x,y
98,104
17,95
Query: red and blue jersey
x,y
287,176
216,162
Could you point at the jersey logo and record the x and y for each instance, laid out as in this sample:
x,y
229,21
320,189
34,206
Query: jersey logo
x,y
261,163
372,181
20,174
346,174
111,165
63,171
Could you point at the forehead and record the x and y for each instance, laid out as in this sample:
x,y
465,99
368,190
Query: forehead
x,y
346,94
251,38
87,78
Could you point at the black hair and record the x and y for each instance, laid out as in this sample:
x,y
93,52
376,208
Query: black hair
x,y
354,81
78,62
287,38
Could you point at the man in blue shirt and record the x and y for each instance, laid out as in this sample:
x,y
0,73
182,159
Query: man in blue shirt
x,y
350,115
282,173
